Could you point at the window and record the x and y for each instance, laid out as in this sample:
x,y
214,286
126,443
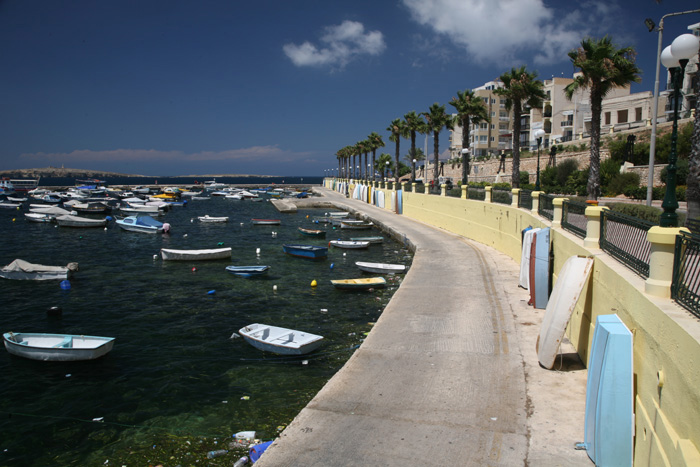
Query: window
x,y
493,127
638,114
484,126
485,99
607,118
493,139
482,138
493,101
622,116
493,114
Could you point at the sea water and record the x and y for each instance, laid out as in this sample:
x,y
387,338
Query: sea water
x,y
176,385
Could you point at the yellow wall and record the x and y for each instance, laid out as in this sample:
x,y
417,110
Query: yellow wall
x,y
666,337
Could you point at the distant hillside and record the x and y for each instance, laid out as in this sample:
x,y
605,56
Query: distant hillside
x,y
84,173
61,172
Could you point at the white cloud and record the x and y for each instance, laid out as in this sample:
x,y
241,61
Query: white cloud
x,y
340,45
498,31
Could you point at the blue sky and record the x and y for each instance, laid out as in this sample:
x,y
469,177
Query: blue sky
x,y
167,87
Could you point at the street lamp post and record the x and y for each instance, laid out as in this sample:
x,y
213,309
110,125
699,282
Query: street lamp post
x,y
538,137
655,103
675,57
413,171
386,171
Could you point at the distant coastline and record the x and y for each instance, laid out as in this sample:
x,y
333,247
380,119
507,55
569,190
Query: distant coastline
x,y
85,173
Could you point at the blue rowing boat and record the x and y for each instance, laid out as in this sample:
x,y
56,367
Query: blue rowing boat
x,y
306,251
248,271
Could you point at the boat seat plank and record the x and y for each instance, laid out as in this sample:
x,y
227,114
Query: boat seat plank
x,y
67,342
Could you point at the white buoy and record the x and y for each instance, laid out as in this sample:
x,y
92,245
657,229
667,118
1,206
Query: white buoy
x,y
191,220
155,257
105,229
257,251
274,287
185,235
344,254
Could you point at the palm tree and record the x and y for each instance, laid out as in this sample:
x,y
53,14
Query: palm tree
x,y
470,109
381,163
397,128
357,151
435,120
519,86
364,148
603,67
376,142
414,124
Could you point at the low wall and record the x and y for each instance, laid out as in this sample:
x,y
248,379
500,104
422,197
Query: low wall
x,y
666,337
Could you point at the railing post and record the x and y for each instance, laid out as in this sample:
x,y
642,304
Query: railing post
x,y
663,242
536,201
413,187
593,214
516,197
403,186
465,192
558,211
443,189
488,194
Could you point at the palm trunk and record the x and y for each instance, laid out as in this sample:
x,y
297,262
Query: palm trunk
x,y
593,187
515,174
364,166
436,148
396,166
693,189
374,154
466,157
413,156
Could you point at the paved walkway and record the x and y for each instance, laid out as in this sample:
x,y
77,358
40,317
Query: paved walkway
x,y
449,374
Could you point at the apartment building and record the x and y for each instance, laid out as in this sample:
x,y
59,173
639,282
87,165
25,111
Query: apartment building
x,y
486,138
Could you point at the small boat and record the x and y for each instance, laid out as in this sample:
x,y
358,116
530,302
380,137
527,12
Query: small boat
x,y
141,209
375,239
16,200
321,220
195,255
6,205
51,198
266,221
57,347
91,208
144,224
306,251
77,221
312,232
338,214
37,217
49,211
24,270
381,268
359,284
357,225
207,218
350,244
248,271
278,340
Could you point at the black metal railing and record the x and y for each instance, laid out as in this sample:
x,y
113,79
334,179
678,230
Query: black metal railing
x,y
525,200
625,239
693,225
545,208
574,218
455,191
501,196
685,287
420,188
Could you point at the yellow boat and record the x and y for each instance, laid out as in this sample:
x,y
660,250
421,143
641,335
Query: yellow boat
x,y
359,284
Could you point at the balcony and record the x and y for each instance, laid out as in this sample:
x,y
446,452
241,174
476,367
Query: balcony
x,y
547,114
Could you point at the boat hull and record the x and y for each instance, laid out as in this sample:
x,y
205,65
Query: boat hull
x,y
195,255
248,271
359,284
281,341
381,268
48,347
306,251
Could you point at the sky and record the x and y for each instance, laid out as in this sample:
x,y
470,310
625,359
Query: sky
x,y
272,87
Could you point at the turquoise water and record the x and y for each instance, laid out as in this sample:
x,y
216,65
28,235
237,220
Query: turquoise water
x,y
176,385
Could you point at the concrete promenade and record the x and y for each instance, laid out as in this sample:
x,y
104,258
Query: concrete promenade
x,y
448,376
